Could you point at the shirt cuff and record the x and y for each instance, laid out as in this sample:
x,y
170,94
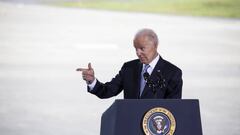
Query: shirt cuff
x,y
92,85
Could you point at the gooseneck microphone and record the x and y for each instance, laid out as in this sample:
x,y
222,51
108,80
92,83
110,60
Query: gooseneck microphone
x,y
159,83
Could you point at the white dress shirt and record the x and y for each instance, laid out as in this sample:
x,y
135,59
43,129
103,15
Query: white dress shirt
x,y
152,64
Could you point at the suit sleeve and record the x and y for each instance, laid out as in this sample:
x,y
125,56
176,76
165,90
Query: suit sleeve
x,y
175,86
109,89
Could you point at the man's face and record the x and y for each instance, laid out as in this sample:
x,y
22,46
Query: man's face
x,y
145,49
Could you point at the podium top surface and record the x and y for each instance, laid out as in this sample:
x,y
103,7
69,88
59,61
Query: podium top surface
x,y
122,101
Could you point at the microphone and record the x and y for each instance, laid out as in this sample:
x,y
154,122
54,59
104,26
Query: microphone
x,y
149,82
159,83
146,76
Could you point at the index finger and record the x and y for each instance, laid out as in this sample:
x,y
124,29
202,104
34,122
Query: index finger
x,y
81,69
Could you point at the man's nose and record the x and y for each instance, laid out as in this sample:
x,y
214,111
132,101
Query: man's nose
x,y
138,52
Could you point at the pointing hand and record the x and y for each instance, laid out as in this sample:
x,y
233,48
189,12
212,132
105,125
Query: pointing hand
x,y
87,73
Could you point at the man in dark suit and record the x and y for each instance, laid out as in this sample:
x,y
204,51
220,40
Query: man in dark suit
x,y
148,77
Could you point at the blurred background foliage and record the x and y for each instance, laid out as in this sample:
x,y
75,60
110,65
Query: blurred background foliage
x,y
217,8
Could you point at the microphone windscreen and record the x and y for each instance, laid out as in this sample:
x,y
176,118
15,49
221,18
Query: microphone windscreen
x,y
146,76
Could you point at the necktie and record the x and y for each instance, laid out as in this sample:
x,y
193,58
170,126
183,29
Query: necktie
x,y
143,82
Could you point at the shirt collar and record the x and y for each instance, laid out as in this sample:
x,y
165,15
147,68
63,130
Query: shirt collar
x,y
153,62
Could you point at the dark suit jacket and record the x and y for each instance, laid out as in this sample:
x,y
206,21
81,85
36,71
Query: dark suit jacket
x,y
128,79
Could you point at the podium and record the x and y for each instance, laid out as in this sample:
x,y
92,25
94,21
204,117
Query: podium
x,y
140,117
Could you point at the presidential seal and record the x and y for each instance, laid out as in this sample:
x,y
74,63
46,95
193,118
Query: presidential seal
x,y
158,121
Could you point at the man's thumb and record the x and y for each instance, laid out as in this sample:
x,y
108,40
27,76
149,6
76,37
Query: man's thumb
x,y
89,66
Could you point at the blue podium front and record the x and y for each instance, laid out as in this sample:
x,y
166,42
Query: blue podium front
x,y
152,117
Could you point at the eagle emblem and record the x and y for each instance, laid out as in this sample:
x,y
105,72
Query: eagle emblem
x,y
159,121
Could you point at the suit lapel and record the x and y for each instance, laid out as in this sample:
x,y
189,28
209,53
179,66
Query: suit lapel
x,y
138,78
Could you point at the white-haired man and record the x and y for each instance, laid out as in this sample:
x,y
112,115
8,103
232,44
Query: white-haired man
x,y
149,76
